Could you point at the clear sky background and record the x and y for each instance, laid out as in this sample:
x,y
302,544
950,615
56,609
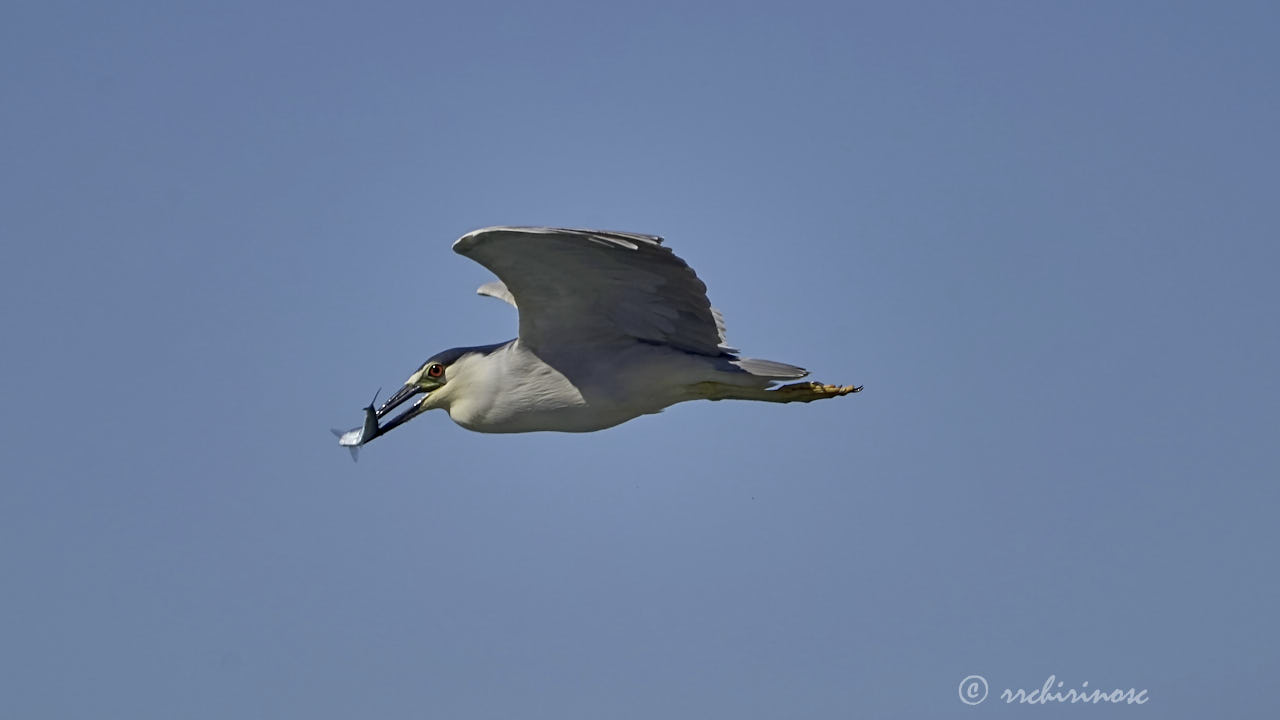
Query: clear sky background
x,y
1044,236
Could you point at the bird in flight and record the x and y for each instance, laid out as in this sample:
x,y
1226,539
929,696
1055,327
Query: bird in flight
x,y
613,326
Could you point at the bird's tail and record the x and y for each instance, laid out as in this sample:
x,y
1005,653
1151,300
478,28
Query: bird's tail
x,y
770,369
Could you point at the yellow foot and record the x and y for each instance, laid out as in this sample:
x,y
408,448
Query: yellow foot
x,y
810,391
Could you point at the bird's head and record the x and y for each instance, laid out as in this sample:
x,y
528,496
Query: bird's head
x,y
436,380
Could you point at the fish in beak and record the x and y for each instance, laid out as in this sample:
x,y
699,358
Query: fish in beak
x,y
355,437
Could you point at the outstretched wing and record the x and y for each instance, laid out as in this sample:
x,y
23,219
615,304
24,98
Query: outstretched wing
x,y
586,287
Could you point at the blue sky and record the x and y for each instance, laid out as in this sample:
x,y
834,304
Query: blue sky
x,y
1042,235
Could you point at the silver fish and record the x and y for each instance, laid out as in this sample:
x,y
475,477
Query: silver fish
x,y
355,437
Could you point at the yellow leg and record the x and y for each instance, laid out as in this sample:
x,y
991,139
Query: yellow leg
x,y
810,391
795,392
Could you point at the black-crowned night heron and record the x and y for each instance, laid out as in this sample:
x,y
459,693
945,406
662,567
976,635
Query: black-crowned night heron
x,y
612,326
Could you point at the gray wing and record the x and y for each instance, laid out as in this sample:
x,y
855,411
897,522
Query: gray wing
x,y
576,287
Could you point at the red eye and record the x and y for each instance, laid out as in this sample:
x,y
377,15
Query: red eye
x,y
435,370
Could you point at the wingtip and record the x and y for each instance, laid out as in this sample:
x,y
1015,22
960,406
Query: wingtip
x,y
461,244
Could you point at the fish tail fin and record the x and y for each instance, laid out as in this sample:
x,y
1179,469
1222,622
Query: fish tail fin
x,y
355,456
